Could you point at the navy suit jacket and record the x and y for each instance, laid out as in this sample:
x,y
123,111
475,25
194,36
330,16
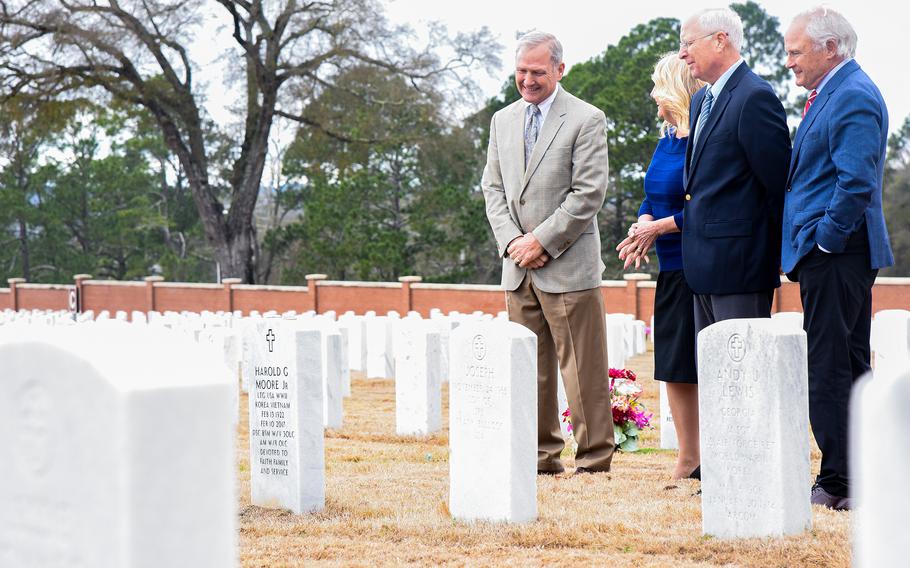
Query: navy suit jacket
x,y
835,180
735,177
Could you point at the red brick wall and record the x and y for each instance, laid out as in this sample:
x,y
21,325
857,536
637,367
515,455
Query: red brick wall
x,y
98,296
359,299
636,297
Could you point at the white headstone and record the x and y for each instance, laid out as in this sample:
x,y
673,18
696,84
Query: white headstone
x,y
357,346
418,394
638,337
380,352
493,422
668,439
795,319
287,448
891,342
754,429
114,456
880,465
563,402
616,342
332,379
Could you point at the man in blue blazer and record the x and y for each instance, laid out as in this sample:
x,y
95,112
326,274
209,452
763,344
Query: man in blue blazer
x,y
834,236
736,168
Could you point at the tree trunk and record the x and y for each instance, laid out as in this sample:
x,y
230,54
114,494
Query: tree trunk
x,y
23,250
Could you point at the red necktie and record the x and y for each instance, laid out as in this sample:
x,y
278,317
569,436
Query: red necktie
x,y
809,102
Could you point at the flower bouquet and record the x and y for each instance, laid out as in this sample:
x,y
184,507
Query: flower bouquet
x,y
629,415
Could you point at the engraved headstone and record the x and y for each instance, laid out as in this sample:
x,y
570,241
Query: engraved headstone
x,y
879,466
287,451
418,394
754,429
493,422
114,457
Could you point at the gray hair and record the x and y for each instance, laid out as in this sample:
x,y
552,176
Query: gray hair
x,y
533,39
722,20
825,24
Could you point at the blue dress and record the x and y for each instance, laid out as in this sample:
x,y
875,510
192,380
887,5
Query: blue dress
x,y
674,320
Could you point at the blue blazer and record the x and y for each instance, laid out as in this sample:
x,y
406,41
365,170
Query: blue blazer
x,y
735,177
835,180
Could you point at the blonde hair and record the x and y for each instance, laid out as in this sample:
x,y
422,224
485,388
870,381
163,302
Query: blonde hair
x,y
674,86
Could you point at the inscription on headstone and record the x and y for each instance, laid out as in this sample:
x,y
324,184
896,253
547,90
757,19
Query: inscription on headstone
x,y
754,429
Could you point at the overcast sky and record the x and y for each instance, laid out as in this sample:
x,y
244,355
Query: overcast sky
x,y
586,28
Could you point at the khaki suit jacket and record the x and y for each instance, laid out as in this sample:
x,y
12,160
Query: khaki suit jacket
x,y
556,197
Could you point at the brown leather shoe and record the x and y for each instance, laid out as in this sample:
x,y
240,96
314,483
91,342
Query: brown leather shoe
x,y
550,471
584,469
821,497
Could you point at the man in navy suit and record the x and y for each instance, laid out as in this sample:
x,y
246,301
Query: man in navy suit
x,y
736,169
834,236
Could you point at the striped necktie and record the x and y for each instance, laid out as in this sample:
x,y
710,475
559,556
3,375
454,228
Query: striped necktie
x,y
809,102
532,129
705,113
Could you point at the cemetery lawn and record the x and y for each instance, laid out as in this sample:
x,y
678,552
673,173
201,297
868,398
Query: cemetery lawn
x,y
386,505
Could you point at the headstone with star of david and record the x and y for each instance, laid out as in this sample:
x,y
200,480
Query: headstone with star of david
x,y
754,429
287,451
493,422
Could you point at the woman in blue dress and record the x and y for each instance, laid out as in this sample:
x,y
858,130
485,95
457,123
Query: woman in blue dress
x,y
659,223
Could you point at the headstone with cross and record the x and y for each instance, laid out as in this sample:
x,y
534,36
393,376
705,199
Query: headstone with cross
x,y
287,452
754,429
493,422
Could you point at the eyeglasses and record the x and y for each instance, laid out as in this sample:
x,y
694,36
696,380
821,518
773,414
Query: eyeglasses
x,y
683,44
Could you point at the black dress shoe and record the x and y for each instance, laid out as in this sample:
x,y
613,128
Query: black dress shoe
x,y
821,497
584,469
696,473
549,471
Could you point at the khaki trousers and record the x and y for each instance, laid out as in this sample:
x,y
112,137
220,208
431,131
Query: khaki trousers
x,y
571,333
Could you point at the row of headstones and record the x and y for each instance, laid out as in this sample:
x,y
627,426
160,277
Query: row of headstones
x,y
91,454
754,433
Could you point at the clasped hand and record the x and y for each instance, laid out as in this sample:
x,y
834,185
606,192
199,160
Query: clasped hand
x,y
636,246
527,252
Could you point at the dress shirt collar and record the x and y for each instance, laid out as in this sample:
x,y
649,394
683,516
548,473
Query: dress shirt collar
x,y
544,106
831,74
718,86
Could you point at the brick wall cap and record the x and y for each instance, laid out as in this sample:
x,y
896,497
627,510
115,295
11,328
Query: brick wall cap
x,y
154,279
316,276
12,281
636,276
232,281
410,279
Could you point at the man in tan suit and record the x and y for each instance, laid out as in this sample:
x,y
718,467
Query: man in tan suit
x,y
544,182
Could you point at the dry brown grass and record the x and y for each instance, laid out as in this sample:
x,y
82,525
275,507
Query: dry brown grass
x,y
386,505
